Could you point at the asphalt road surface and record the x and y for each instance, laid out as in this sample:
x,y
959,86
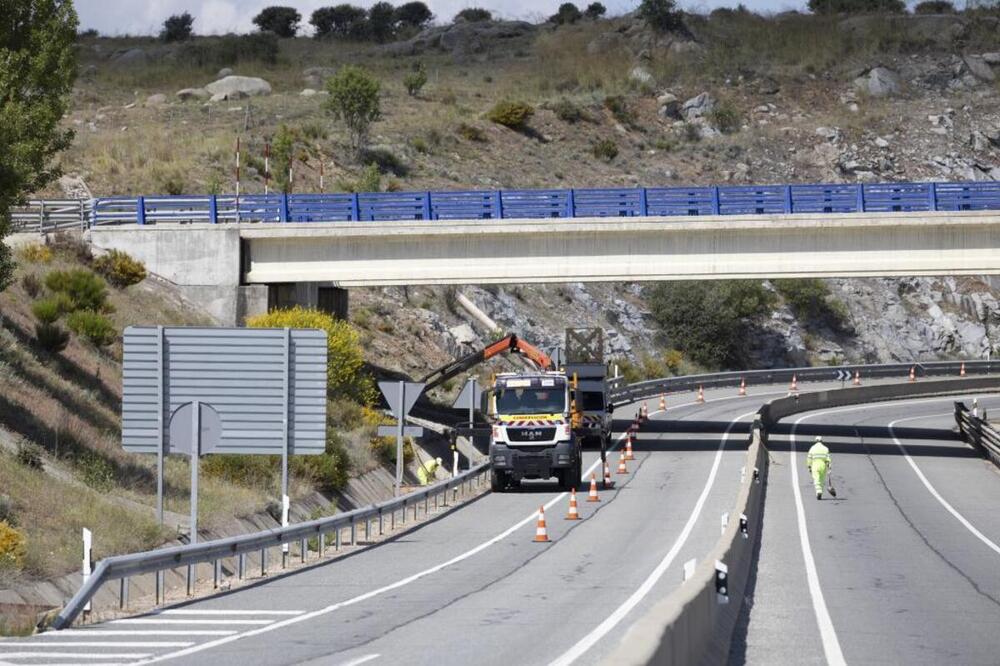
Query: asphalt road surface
x,y
472,586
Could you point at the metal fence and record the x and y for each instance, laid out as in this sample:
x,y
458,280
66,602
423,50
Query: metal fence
x,y
979,432
48,215
534,204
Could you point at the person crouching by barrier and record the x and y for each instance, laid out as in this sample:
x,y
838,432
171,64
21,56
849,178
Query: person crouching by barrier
x,y
426,471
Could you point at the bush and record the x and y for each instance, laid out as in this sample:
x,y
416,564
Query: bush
x,y
725,118
342,20
811,301
474,15
857,6
415,81
567,13
85,290
94,327
386,161
282,21
595,10
97,472
71,245
330,471
32,287
620,109
35,253
355,100
384,449
250,471
934,7
120,269
29,455
48,310
605,149
51,337
177,28
345,363
471,133
661,15
413,15
710,322
257,47
12,547
567,111
514,115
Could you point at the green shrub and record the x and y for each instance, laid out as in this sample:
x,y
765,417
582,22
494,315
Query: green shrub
x,y
415,81
330,471
471,133
384,449
51,337
512,114
47,310
85,290
120,269
97,472
31,285
369,180
857,6
420,145
386,160
811,301
71,245
29,454
346,374
567,111
355,100
94,327
474,14
35,253
725,118
661,15
567,14
12,547
177,28
934,7
595,10
620,109
605,149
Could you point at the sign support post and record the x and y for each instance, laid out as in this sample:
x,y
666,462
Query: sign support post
x,y
159,418
284,448
399,440
401,396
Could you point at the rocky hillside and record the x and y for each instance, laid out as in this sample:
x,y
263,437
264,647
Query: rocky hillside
x,y
732,98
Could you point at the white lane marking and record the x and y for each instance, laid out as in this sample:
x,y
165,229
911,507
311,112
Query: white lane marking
x,y
143,620
139,644
828,635
136,632
361,660
183,611
71,663
933,491
588,641
74,655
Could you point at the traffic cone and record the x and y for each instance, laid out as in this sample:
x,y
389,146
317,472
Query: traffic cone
x,y
573,513
607,475
622,469
541,533
743,387
795,384
701,395
628,447
961,371
663,402
857,378
592,497
645,411
913,373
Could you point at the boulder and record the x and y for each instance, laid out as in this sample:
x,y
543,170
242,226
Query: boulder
x,y
224,72
991,58
979,68
192,93
879,82
464,334
234,87
669,106
308,92
698,106
159,99
131,58
315,77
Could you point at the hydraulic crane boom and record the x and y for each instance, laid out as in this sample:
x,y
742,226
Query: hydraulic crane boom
x,y
510,343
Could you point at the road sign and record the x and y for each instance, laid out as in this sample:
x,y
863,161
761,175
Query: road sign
x,y
182,437
393,430
401,397
470,395
843,375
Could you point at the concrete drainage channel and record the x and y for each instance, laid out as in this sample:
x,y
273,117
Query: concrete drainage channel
x,y
695,623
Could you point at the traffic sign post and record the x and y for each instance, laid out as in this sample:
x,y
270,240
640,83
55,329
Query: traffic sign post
x,y
843,376
401,397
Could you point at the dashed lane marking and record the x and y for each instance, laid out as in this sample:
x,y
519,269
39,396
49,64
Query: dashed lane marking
x,y
132,644
361,660
185,611
136,632
86,656
148,620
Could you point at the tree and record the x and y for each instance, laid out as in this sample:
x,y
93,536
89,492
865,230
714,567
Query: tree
x,y
282,21
340,21
934,7
415,80
595,10
474,15
37,70
568,13
413,15
661,15
284,150
857,6
177,28
355,100
381,22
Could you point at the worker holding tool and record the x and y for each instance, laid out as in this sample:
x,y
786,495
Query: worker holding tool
x,y
818,463
427,470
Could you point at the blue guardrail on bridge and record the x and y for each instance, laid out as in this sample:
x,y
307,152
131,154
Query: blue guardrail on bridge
x,y
534,204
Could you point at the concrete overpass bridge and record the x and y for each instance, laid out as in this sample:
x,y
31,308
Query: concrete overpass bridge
x,y
236,256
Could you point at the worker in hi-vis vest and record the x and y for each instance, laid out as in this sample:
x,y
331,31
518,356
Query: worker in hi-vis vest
x,y
426,471
818,463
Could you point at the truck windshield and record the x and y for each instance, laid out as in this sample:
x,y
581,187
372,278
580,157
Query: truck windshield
x,y
593,401
530,401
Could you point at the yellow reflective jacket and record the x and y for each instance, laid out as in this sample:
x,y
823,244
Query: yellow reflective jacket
x,y
818,452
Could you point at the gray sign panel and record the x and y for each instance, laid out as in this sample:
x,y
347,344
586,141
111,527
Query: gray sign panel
x,y
391,392
393,430
253,378
182,438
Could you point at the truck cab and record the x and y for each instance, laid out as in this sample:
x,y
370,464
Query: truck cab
x,y
532,435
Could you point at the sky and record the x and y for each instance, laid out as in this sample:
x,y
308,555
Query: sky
x,y
145,17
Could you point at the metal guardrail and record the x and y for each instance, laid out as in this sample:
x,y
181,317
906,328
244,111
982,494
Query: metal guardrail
x,y
534,204
978,432
120,567
657,387
48,215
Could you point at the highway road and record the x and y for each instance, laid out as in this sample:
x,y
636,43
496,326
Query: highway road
x,y
472,586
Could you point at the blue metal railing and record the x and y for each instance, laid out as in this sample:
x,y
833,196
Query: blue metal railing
x,y
535,204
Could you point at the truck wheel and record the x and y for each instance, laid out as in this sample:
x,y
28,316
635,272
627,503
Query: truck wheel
x,y
498,481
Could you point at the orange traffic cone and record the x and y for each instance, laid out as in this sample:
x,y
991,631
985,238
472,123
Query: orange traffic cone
x,y
663,402
628,447
701,395
607,475
961,371
857,378
541,533
592,497
795,384
645,411
573,513
622,469
743,387
913,373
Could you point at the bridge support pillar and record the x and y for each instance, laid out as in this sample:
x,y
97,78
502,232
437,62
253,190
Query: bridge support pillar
x,y
319,295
